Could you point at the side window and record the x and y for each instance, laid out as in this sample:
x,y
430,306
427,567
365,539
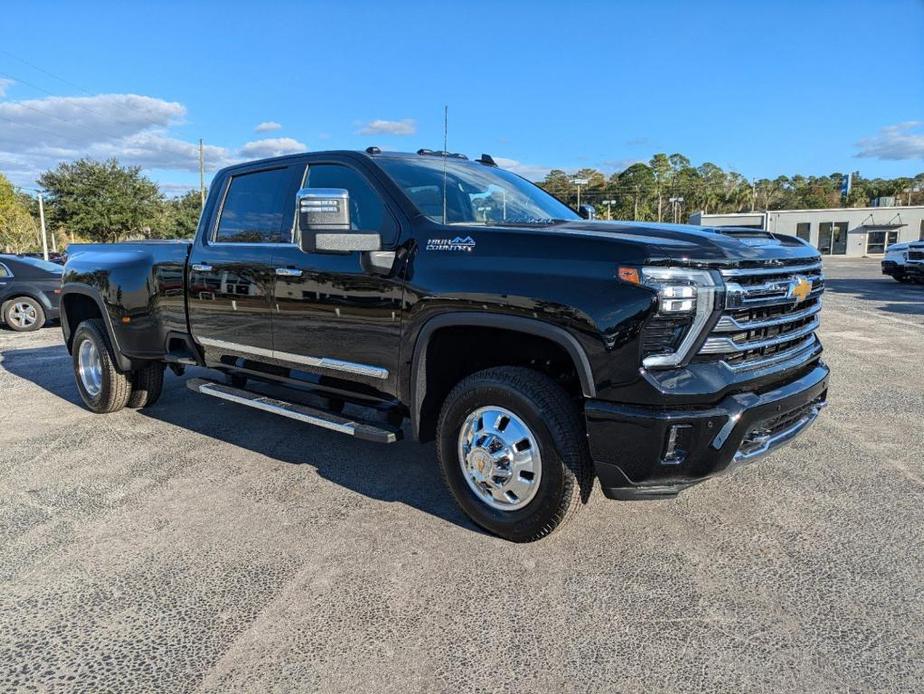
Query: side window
x,y
367,211
259,207
4,271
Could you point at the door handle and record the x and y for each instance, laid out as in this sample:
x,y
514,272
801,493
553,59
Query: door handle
x,y
201,267
288,272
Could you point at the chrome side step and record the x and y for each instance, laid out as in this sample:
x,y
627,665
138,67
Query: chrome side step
x,y
380,433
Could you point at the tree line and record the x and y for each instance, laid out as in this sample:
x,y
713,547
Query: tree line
x,y
103,201
94,201
645,191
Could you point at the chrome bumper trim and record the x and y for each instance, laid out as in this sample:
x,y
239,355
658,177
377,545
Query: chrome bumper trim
x,y
780,438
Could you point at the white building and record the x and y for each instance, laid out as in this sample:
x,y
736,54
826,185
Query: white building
x,y
855,231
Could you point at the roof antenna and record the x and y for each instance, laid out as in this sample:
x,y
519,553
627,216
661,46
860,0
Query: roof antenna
x,y
445,153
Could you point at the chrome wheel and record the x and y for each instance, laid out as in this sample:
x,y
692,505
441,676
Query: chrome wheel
x,y
22,315
500,458
90,368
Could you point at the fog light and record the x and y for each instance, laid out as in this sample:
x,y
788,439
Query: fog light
x,y
676,447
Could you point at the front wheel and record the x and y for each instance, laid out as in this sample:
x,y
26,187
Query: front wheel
x,y
103,388
513,453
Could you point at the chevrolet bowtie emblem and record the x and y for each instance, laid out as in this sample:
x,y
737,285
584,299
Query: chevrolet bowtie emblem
x,y
800,289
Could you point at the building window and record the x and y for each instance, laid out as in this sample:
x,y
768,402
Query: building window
x,y
804,231
878,241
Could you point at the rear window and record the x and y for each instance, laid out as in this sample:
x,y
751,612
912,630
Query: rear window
x,y
259,207
40,264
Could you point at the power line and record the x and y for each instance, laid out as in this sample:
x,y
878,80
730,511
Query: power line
x,y
42,70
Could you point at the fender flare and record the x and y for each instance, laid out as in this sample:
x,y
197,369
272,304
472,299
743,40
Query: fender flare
x,y
529,326
123,362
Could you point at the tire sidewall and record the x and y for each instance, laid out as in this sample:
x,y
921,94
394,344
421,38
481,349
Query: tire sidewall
x,y
95,403
39,314
521,523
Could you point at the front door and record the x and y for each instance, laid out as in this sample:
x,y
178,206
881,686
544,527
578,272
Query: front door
x,y
232,271
832,238
335,316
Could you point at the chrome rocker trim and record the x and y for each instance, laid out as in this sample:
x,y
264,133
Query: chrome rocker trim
x,y
316,362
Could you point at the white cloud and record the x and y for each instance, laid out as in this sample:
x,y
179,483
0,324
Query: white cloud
x,y
268,126
533,172
5,84
895,142
407,126
39,133
175,190
272,147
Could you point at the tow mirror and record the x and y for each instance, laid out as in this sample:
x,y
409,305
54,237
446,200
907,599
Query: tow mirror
x,y
587,212
324,223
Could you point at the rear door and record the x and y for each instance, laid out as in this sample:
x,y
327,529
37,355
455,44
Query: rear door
x,y
335,315
231,274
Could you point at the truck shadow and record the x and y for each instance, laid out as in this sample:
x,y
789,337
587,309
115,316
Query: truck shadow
x,y
404,472
891,297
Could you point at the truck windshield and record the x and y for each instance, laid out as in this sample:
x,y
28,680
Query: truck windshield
x,y
474,193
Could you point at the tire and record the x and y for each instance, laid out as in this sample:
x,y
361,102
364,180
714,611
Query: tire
x,y
23,314
111,389
564,468
147,385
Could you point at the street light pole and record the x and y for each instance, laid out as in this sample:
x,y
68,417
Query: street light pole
x,y
675,204
201,175
579,182
609,216
42,220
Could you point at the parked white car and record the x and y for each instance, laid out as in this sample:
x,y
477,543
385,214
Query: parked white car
x,y
895,261
914,262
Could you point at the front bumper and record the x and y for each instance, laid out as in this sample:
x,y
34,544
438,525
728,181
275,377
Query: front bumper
x,y
632,448
893,269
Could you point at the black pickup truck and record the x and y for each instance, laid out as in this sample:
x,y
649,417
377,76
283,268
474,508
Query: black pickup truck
x,y
380,293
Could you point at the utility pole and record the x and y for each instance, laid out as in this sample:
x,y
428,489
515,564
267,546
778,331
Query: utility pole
x,y
201,174
753,194
608,203
42,220
635,210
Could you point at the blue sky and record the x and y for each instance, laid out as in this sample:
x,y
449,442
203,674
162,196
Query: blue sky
x,y
765,88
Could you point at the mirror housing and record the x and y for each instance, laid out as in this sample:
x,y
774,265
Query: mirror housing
x,y
587,212
323,209
324,223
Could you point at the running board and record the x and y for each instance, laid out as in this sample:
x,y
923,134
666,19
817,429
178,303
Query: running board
x,y
380,433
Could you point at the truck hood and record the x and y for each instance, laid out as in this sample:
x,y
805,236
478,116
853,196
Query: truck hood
x,y
688,244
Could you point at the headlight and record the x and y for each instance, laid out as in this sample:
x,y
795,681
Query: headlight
x,y
686,299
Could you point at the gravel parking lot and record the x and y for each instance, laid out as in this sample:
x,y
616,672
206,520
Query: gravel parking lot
x,y
202,546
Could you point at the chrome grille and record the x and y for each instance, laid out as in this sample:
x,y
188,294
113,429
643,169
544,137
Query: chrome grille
x,y
764,324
